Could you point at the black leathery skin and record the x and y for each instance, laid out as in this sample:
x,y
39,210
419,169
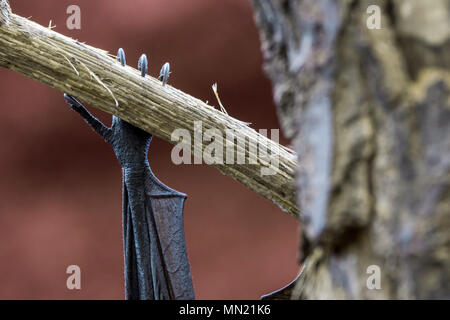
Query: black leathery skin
x,y
155,254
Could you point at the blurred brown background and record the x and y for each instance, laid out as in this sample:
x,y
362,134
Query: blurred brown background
x,y
61,185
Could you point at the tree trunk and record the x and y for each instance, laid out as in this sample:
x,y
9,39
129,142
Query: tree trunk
x,y
369,112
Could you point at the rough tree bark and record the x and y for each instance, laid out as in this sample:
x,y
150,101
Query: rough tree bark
x,y
369,113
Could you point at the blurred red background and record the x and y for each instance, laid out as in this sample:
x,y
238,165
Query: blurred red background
x,y
61,185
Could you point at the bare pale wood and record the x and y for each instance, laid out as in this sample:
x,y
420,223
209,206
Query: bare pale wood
x,y
96,78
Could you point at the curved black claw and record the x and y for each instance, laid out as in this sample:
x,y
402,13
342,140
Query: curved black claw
x,y
164,73
121,57
143,64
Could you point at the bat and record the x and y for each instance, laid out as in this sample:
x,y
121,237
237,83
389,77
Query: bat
x,y
156,264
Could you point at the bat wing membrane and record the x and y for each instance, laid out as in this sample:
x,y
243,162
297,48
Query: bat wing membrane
x,y
156,261
165,208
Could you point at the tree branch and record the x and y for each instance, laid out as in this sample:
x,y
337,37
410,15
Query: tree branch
x,y
96,78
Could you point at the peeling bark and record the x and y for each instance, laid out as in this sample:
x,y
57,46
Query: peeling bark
x,y
369,113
